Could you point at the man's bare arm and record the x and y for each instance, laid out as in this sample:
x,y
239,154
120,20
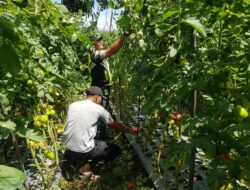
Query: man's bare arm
x,y
122,128
116,45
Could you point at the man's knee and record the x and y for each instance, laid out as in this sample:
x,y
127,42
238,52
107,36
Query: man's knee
x,y
68,170
114,151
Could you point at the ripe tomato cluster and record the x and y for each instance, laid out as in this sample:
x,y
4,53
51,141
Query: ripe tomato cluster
x,y
175,118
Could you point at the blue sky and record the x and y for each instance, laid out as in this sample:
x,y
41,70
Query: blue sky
x,y
104,18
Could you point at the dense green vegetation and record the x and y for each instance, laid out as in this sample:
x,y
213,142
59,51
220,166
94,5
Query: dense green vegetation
x,y
192,57
188,57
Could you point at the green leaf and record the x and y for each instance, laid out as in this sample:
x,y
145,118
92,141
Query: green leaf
x,y
168,14
240,127
245,173
11,178
9,59
156,18
21,3
196,25
124,21
206,145
30,134
173,51
111,4
158,32
207,99
8,125
49,97
138,5
74,37
61,8
4,133
83,38
7,28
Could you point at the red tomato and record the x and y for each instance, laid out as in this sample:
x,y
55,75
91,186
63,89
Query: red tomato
x,y
178,117
130,185
160,114
171,117
224,157
134,130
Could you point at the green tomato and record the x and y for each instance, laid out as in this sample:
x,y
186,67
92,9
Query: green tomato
x,y
30,82
57,94
171,121
51,90
52,112
229,186
46,152
240,112
37,124
44,118
51,156
36,118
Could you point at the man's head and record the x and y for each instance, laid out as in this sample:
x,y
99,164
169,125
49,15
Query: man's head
x,y
95,94
98,42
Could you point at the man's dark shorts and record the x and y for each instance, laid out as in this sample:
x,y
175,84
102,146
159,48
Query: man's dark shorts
x,y
102,152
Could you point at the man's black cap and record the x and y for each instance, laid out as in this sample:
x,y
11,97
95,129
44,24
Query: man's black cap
x,y
95,38
94,90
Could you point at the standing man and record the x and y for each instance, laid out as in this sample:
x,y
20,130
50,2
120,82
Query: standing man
x,y
83,150
100,72
99,67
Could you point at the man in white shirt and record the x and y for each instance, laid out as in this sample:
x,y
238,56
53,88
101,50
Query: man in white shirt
x,y
79,134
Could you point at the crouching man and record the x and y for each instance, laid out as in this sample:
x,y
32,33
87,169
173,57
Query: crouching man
x,y
83,151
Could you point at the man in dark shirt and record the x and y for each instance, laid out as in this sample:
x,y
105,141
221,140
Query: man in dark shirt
x,y
100,72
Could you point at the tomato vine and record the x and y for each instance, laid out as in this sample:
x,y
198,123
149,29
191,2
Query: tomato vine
x,y
191,45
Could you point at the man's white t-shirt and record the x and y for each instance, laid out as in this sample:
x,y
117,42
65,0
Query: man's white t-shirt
x,y
83,118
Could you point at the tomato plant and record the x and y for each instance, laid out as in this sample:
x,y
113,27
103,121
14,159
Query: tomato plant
x,y
190,57
38,75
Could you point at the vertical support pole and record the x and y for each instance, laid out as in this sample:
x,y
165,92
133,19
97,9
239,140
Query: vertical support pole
x,y
139,113
120,98
111,19
193,149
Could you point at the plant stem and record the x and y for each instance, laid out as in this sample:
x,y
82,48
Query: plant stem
x,y
17,151
37,165
220,39
54,142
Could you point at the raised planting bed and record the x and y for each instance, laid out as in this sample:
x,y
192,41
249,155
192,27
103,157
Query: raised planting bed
x,y
154,155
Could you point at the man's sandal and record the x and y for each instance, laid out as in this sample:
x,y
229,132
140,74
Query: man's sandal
x,y
90,176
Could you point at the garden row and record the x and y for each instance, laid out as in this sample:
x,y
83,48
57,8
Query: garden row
x,y
190,58
40,71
